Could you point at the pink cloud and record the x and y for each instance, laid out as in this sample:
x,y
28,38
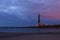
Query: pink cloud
x,y
50,9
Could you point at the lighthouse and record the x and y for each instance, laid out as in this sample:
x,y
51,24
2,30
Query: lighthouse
x,y
38,20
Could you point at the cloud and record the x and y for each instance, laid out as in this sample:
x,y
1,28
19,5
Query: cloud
x,y
52,9
27,11
27,8
49,8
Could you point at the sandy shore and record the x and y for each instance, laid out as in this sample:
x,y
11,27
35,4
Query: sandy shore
x,y
29,36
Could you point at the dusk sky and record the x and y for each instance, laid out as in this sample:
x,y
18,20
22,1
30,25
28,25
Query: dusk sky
x,y
24,12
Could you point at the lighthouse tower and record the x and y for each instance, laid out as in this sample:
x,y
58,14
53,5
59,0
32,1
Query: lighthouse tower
x,y
38,21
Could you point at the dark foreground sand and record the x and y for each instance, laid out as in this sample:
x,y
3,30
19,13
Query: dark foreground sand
x,y
29,36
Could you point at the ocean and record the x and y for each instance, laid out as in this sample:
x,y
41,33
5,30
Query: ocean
x,y
29,30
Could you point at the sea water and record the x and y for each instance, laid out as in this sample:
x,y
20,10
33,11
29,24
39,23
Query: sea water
x,y
29,30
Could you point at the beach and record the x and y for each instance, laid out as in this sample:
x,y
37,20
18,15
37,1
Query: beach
x,y
30,36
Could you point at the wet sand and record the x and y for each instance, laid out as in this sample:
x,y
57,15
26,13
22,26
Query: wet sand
x,y
29,36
